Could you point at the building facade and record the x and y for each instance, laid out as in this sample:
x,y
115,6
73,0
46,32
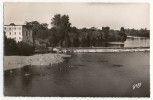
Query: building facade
x,y
19,33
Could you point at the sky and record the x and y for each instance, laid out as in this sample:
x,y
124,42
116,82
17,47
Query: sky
x,y
134,15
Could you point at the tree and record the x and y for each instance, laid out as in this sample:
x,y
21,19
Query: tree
x,y
35,27
105,30
122,34
9,46
13,48
24,49
44,26
40,30
62,26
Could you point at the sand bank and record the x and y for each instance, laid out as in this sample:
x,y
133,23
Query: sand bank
x,y
12,62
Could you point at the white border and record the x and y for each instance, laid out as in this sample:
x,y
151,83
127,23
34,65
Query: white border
x,y
142,1
67,98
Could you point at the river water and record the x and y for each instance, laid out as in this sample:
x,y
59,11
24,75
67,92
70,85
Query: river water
x,y
137,42
131,42
84,75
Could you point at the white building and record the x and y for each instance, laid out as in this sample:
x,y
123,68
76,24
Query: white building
x,y
19,33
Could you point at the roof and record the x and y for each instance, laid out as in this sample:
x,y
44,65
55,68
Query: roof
x,y
20,25
14,25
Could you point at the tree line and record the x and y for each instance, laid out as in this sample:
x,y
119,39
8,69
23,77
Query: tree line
x,y
62,34
139,33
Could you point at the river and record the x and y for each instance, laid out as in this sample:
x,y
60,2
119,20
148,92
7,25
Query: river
x,y
84,75
131,42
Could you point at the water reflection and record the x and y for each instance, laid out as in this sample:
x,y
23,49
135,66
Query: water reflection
x,y
137,42
84,74
18,78
131,42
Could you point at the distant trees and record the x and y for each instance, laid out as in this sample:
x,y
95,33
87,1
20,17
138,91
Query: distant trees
x,y
95,37
62,34
85,37
140,33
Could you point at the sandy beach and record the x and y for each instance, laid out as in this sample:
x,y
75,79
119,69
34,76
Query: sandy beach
x,y
12,62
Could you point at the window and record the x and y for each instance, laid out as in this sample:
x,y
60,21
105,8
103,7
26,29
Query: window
x,y
19,38
15,28
19,33
10,33
5,28
10,28
14,33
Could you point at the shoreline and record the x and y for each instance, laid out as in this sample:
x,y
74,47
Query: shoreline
x,y
13,62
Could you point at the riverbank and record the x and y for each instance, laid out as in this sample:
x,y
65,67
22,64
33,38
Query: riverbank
x,y
12,62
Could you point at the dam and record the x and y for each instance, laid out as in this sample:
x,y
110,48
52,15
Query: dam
x,y
98,50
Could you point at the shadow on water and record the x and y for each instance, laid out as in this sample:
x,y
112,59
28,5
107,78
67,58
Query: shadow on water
x,y
102,61
18,78
117,65
22,79
83,75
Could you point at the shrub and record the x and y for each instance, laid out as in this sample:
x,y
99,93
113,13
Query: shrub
x,y
24,49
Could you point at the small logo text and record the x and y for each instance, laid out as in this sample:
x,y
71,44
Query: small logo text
x,y
137,85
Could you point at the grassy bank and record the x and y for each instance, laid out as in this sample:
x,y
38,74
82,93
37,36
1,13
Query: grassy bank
x,y
12,62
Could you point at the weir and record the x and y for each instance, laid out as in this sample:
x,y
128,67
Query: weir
x,y
103,49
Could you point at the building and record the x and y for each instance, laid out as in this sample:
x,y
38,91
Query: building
x,y
19,33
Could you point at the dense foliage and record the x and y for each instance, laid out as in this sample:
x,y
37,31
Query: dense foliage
x,y
62,34
139,33
13,48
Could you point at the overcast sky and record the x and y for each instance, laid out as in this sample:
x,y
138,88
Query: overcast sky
x,y
81,14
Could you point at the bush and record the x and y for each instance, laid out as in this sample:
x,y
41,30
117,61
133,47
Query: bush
x,y
10,47
24,49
